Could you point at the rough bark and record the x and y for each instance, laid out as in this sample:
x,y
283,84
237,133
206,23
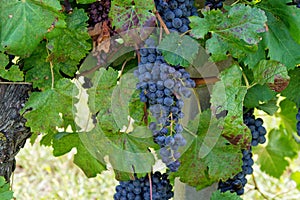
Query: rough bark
x,y
13,133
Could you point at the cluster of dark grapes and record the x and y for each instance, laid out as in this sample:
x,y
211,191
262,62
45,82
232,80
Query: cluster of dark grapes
x,y
214,4
161,87
298,122
175,13
238,182
255,125
295,3
98,12
139,188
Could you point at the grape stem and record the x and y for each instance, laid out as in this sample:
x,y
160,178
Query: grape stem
x,y
124,64
52,73
245,79
162,22
145,116
257,188
150,183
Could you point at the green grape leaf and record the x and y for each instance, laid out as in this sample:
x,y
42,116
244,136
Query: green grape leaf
x,y
120,99
236,31
280,45
288,15
270,107
222,162
296,177
70,42
64,142
272,157
126,152
125,12
5,192
13,74
179,50
287,116
25,23
45,107
292,90
227,96
100,98
90,165
253,58
38,70
218,195
257,95
267,71
136,106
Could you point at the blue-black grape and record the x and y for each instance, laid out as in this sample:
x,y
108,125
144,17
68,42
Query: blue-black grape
x,y
98,12
140,188
256,127
298,122
161,87
175,13
214,4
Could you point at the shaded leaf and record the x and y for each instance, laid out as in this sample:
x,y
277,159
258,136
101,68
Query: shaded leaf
x,y
258,94
5,192
236,31
221,162
70,42
25,23
268,71
292,90
280,44
45,107
287,15
179,50
227,96
272,158
13,73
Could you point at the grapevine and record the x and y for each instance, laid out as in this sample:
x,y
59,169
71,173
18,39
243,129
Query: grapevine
x,y
157,91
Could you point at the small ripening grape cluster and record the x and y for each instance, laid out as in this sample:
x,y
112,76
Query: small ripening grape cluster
x,y
237,183
175,13
255,125
161,87
298,122
98,12
214,4
139,189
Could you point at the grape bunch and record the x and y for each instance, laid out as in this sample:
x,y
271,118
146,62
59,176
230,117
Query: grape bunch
x,y
214,4
162,87
258,132
255,125
238,182
175,13
98,12
139,188
298,122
